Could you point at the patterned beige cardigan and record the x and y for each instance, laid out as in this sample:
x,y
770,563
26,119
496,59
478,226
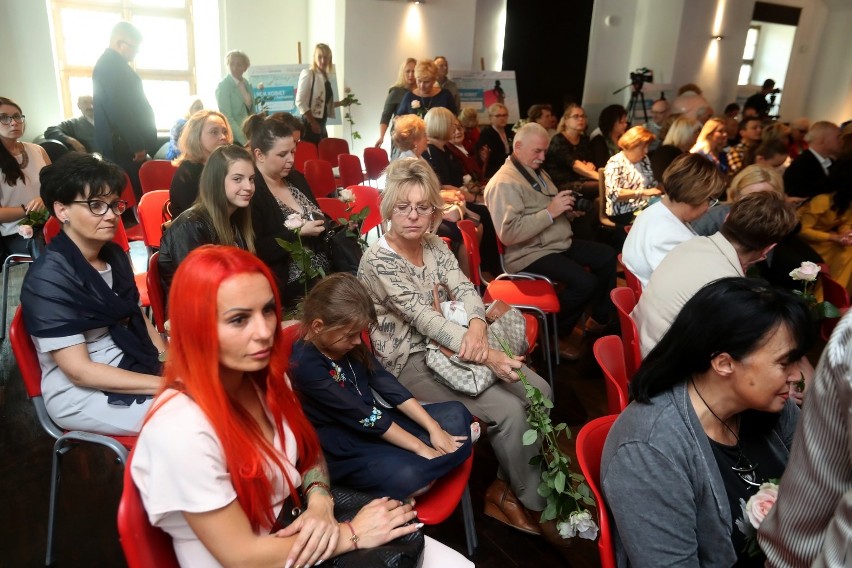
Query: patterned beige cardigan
x,y
402,294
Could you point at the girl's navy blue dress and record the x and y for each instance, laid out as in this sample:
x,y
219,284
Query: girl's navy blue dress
x,y
350,425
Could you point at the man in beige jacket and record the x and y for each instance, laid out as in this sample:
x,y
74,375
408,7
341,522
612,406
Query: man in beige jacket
x,y
533,220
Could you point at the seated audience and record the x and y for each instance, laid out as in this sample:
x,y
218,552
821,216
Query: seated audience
x,y
205,131
533,220
711,143
711,420
227,453
409,135
472,165
543,115
220,216
96,349
405,82
400,271
750,130
396,451
612,123
470,121
807,175
770,154
659,115
628,177
568,158
692,188
809,523
798,130
497,138
77,133
234,94
680,138
427,94
20,164
756,222
732,110
690,102
281,192
173,149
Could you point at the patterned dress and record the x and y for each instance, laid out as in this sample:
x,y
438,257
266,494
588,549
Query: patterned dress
x,y
311,212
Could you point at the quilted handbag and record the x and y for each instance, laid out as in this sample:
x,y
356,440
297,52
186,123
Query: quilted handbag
x,y
471,378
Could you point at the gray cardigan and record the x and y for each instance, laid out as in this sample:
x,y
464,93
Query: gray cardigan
x,y
664,489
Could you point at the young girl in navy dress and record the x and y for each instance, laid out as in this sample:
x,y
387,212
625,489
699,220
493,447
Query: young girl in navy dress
x,y
396,451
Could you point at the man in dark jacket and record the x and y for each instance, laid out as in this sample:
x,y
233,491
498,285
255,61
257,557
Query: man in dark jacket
x,y
807,176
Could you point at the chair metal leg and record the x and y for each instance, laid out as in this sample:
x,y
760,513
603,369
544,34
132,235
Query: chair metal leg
x,y
59,448
469,523
555,338
548,356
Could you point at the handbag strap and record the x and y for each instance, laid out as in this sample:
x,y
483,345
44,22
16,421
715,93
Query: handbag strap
x,y
436,299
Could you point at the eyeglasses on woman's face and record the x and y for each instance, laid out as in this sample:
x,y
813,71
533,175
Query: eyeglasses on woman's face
x,y
99,208
6,119
712,201
404,209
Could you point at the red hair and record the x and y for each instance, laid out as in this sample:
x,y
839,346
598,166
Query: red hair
x,y
193,368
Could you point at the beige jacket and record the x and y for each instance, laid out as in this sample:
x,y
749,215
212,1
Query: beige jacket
x,y
521,220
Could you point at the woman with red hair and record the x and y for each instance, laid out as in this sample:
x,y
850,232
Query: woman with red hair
x,y
226,444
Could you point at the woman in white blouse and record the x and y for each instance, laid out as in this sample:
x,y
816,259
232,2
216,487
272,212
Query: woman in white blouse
x,y
314,96
628,177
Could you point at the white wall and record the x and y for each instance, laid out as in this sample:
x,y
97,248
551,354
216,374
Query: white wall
x,y
488,35
830,90
774,46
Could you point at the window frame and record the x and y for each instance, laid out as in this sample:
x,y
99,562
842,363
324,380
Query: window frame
x,y
750,62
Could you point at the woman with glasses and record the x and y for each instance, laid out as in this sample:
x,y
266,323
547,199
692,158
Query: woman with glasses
x,y
711,420
20,163
692,188
628,177
400,271
497,138
220,216
568,156
98,353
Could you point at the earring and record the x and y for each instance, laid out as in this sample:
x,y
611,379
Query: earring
x,y
66,221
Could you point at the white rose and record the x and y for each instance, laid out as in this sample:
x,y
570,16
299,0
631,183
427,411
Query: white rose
x,y
807,271
260,86
346,196
466,179
25,231
415,104
294,221
584,524
566,530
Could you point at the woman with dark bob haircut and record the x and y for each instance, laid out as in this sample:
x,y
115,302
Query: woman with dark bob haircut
x,y
710,422
98,353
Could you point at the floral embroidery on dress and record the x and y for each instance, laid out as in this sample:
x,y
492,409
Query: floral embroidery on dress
x,y
370,421
337,374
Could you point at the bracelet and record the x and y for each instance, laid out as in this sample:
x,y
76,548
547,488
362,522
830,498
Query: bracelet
x,y
319,484
354,538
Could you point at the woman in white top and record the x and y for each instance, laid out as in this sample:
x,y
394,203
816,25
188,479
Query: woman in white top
x,y
628,176
20,163
692,186
314,96
227,443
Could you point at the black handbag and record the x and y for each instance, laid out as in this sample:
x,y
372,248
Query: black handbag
x,y
403,552
343,251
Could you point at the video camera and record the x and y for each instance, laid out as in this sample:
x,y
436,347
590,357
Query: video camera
x,y
641,76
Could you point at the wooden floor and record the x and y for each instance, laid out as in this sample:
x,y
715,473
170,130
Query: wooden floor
x,y
91,484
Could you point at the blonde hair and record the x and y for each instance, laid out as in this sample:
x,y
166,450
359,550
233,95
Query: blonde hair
x,y
400,78
495,108
425,70
702,144
407,129
237,53
635,137
440,123
566,116
325,50
751,175
191,148
469,118
692,179
681,131
404,173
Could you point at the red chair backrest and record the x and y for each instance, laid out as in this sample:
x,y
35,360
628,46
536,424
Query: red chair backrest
x,y
144,545
304,151
334,208
437,504
832,290
150,212
127,193
25,354
52,227
350,170
366,196
471,245
320,177
625,301
156,174
609,353
590,443
632,281
375,162
156,295
330,148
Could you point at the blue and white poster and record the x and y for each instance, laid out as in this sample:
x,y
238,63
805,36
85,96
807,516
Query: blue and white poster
x,y
275,87
481,89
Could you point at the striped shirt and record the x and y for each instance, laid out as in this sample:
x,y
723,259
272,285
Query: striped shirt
x,y
811,523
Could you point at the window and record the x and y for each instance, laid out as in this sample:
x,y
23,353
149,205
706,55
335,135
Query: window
x,y
166,60
748,55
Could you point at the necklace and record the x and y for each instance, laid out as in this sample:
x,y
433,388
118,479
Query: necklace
x,y
25,159
340,377
743,468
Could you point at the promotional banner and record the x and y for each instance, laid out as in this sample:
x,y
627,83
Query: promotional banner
x,y
481,89
275,86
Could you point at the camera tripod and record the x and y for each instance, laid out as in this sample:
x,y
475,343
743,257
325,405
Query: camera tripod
x,y
637,99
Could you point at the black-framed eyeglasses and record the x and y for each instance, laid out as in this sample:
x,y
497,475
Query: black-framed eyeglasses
x,y
501,115
713,201
746,471
404,209
99,208
6,119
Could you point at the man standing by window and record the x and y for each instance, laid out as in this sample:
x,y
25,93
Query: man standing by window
x,y
125,130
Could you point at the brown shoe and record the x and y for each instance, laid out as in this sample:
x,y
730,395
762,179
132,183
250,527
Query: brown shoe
x,y
501,504
554,539
594,328
569,351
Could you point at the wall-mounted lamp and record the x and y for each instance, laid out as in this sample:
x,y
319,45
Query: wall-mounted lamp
x,y
417,1
718,38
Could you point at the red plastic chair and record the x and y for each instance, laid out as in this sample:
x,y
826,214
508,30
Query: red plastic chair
x,y
632,281
590,443
366,196
156,294
144,545
834,292
156,174
625,301
66,440
350,170
304,151
609,353
375,162
334,208
320,177
331,148
151,217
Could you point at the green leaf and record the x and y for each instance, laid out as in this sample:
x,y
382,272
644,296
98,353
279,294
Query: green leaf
x,y
536,459
544,490
549,512
827,310
559,482
530,436
547,402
